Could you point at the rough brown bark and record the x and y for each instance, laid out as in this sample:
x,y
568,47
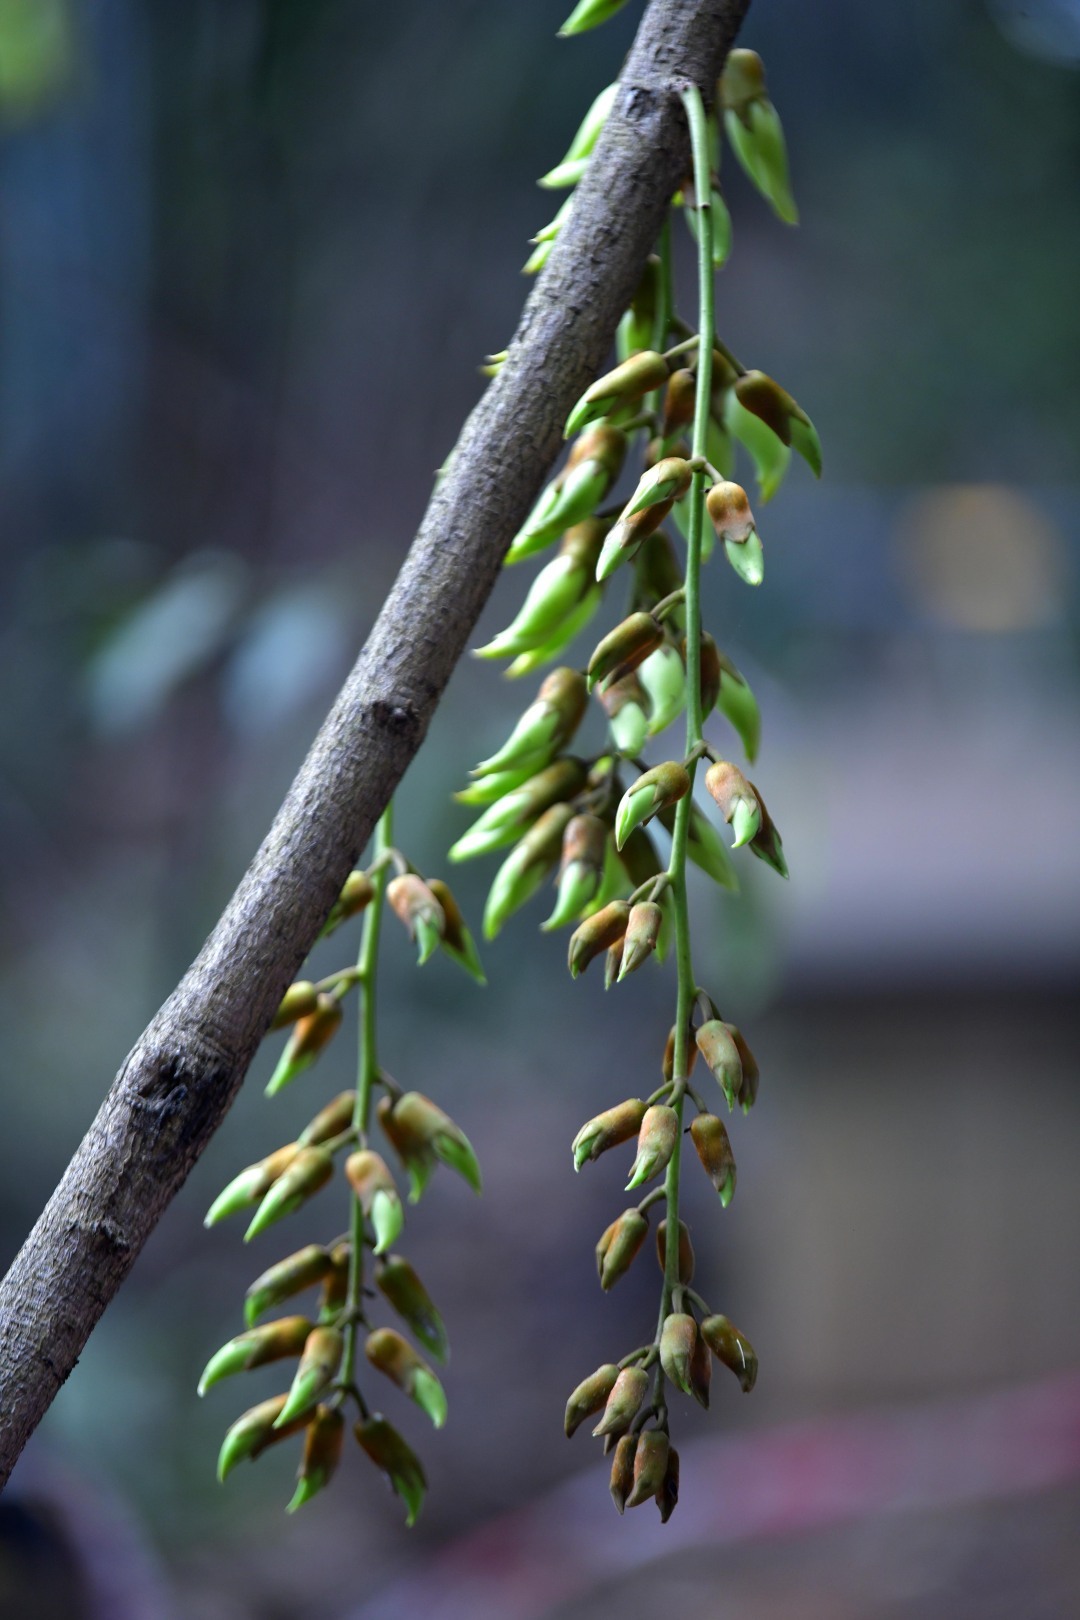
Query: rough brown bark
x,y
177,1083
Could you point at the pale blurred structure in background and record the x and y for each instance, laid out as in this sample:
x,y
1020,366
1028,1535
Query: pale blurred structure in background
x,y
251,255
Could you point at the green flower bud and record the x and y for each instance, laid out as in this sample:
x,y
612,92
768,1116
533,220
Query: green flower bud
x,y
584,142
402,1288
419,1117
678,1338
456,940
748,1089
252,1432
411,1148
370,1179
589,1396
686,1251
290,1276
624,703
357,892
619,1246
609,1129
570,628
393,1356
299,1000
315,1374
642,935
547,724
322,1453
624,386
624,648
655,789
310,1035
330,1121
663,680
717,1046
657,1140
589,14
593,465
256,1348
414,905
525,868
736,800
623,1404
757,137
622,1470
595,934
556,591
729,1346
710,1138
765,399
390,1453
650,1466
581,870
251,1184
664,483
309,1170
516,810
487,790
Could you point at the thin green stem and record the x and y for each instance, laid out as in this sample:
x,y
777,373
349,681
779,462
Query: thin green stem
x,y
699,141
367,1073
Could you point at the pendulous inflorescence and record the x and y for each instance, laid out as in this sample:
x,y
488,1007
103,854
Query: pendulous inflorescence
x,y
359,1268
682,405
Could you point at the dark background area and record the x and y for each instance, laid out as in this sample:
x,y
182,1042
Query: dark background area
x,y
252,253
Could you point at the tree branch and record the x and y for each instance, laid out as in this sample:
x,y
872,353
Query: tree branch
x,y
178,1082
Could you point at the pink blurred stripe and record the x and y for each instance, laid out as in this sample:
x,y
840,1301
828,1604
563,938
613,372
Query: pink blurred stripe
x,y
802,1476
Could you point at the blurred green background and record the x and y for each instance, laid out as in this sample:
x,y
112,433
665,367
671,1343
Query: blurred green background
x,y
251,255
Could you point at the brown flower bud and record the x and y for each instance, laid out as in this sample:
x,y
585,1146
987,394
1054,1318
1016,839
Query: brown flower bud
x,y
322,1453
606,1130
622,1470
623,386
395,1357
596,933
718,1048
686,1251
357,892
602,444
623,1404
289,1276
668,1495
624,648
330,1121
589,1396
650,1466
700,1371
710,1138
397,1460
678,1337
310,1034
299,1000
732,1348
307,1172
711,674
728,506
679,399
657,1138
619,1245
336,1287
314,1375
667,1067
413,903
642,933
